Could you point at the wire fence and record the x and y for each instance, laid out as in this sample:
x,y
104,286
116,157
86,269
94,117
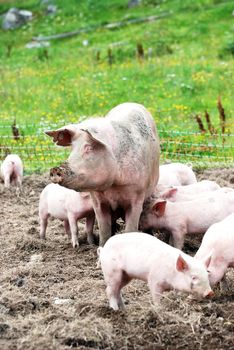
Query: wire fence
x,y
39,153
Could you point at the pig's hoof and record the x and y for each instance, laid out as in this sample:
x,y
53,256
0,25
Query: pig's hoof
x,y
114,306
75,245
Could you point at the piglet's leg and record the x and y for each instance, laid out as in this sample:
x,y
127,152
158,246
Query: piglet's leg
x,y
90,220
7,180
177,239
114,285
74,231
43,226
115,281
67,228
18,181
155,290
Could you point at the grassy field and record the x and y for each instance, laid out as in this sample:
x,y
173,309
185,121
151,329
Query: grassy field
x,y
187,63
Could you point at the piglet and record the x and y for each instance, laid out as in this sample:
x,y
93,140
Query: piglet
x,y
68,206
12,170
136,255
219,242
189,192
180,218
176,174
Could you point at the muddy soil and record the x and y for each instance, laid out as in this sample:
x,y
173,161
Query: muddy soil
x,y
53,297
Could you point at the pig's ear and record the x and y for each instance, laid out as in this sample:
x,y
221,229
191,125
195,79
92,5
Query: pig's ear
x,y
181,264
62,137
94,138
207,260
159,208
171,193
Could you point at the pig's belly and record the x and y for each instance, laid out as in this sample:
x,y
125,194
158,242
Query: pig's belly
x,y
117,197
57,210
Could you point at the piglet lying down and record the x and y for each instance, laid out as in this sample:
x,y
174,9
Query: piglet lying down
x,y
136,255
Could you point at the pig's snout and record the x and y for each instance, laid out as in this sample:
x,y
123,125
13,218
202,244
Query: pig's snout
x,y
210,294
56,175
64,176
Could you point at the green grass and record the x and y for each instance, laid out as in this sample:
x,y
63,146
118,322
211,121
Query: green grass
x,y
190,65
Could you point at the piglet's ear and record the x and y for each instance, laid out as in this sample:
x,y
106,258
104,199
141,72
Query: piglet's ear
x,y
207,260
181,264
62,137
94,138
171,193
159,208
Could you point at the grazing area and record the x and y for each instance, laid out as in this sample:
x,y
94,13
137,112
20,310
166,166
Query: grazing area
x,y
53,296
178,64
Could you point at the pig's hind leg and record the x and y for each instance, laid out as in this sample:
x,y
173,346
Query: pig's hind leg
x,y
18,181
7,180
90,220
67,228
43,225
115,281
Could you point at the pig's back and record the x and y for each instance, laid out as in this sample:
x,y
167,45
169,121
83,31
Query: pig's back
x,y
136,247
137,142
130,252
212,207
130,113
204,185
219,239
57,199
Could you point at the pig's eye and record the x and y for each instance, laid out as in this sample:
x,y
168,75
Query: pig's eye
x,y
194,278
208,272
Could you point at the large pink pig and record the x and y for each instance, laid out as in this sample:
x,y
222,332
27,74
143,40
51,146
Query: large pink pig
x,y
115,158
180,218
68,206
136,255
12,170
218,242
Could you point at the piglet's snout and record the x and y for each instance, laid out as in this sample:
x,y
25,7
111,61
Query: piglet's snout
x,y
210,294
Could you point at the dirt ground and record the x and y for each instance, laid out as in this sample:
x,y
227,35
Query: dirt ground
x,y
53,297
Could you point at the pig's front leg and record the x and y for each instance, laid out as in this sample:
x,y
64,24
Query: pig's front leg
x,y
104,224
132,214
155,290
103,216
177,238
